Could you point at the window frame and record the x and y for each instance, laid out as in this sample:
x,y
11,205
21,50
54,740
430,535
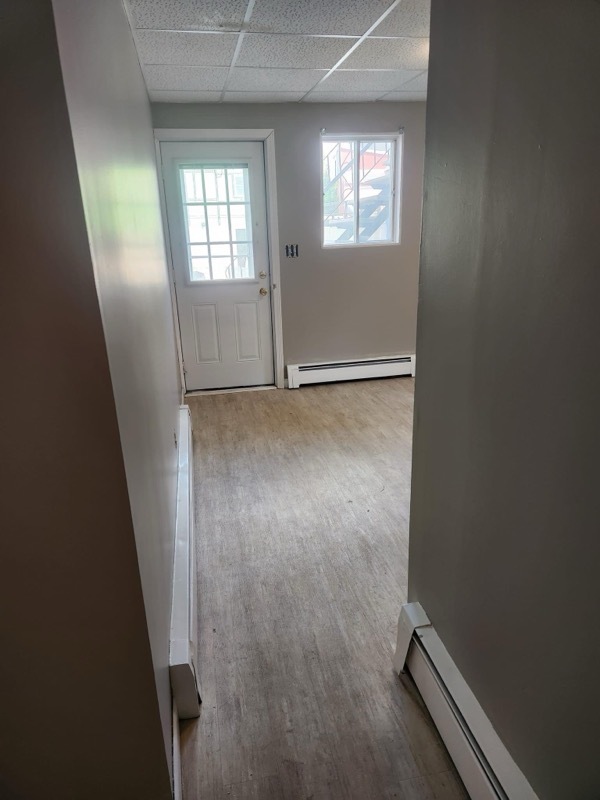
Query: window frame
x,y
397,140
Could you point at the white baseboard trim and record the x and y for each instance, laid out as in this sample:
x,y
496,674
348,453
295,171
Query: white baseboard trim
x,y
349,370
484,764
182,655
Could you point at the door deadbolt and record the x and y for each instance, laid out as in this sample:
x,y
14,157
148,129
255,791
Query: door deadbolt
x,y
262,274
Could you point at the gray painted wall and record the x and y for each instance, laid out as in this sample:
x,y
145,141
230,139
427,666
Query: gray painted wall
x,y
504,547
336,303
79,709
114,147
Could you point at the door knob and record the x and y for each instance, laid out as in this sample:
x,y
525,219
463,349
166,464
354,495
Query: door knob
x,y
262,291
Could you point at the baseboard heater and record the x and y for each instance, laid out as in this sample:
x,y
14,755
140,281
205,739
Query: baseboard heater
x,y
182,655
485,766
385,367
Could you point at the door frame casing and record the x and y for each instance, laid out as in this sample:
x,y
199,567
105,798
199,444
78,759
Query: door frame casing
x,y
267,137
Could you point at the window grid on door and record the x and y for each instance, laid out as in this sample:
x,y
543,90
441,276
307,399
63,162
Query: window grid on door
x,y
217,221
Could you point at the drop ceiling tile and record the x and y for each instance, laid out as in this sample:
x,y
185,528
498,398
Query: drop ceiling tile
x,y
366,81
418,84
184,97
272,50
200,79
410,18
263,97
350,17
188,15
404,97
389,54
343,97
248,79
200,49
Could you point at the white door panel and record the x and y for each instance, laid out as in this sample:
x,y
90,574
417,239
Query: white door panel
x,y
247,331
216,213
206,333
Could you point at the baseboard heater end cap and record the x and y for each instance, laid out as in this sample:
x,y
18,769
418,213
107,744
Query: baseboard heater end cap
x,y
184,682
412,616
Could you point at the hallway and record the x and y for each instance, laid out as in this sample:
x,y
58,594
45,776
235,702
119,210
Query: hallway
x,y
302,527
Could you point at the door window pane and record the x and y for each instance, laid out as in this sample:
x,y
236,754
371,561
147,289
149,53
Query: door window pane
x,y
199,250
218,223
192,182
238,185
240,222
215,184
242,255
196,223
200,269
220,250
198,255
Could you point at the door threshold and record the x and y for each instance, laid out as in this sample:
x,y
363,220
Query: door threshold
x,y
200,392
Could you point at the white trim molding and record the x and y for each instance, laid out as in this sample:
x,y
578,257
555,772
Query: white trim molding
x,y
267,137
212,134
486,767
182,655
169,259
350,370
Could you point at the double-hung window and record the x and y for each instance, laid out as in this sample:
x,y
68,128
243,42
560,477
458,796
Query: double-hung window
x,y
361,190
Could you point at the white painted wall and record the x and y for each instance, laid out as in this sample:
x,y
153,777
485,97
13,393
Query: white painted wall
x,y
79,702
505,507
114,147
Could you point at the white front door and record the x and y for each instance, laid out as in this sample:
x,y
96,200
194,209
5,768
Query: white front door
x,y
216,213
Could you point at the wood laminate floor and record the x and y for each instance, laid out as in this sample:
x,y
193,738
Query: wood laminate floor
x,y
302,525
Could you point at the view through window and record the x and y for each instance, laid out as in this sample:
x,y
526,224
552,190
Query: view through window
x,y
360,201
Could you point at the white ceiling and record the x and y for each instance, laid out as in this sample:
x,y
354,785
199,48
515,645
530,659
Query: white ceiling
x,y
261,51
